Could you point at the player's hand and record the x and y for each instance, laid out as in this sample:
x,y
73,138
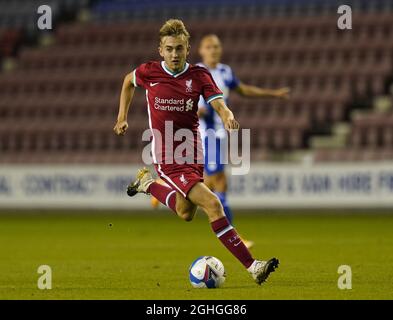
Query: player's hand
x,y
231,124
282,93
120,127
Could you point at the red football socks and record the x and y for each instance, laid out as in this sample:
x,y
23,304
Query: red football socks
x,y
165,194
231,240
222,228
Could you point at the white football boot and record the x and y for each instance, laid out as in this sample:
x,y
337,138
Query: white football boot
x,y
141,184
260,270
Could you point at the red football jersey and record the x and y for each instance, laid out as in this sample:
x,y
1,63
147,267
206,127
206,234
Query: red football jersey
x,y
172,102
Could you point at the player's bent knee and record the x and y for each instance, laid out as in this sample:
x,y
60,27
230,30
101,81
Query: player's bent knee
x,y
215,207
187,216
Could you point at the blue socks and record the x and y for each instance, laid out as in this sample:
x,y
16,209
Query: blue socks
x,y
223,199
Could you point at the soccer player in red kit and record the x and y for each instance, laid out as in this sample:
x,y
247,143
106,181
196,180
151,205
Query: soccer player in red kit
x,y
173,88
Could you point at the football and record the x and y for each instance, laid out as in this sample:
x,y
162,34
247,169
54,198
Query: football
x,y
207,272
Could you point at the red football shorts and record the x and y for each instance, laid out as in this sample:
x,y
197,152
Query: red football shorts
x,y
181,177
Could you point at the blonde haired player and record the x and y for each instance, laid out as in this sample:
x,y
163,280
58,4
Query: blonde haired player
x,y
173,87
210,49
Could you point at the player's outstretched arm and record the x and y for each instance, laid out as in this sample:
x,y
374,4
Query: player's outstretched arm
x,y
225,114
127,92
253,91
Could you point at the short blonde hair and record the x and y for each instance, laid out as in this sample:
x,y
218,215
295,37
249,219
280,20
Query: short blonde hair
x,y
174,28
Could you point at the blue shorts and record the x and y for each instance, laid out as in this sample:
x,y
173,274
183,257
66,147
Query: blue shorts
x,y
215,156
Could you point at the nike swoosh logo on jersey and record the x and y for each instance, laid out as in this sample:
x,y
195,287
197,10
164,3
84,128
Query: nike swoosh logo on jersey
x,y
153,84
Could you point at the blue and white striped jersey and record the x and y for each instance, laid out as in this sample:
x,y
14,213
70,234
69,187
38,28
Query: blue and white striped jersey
x,y
226,80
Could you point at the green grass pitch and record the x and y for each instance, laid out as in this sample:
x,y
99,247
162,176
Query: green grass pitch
x,y
146,255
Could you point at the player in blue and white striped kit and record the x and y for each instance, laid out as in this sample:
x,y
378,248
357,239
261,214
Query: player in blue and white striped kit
x,y
210,50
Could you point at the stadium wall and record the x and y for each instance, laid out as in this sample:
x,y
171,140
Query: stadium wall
x,y
266,186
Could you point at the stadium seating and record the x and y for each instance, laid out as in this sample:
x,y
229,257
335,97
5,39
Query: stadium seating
x,y
60,103
9,42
